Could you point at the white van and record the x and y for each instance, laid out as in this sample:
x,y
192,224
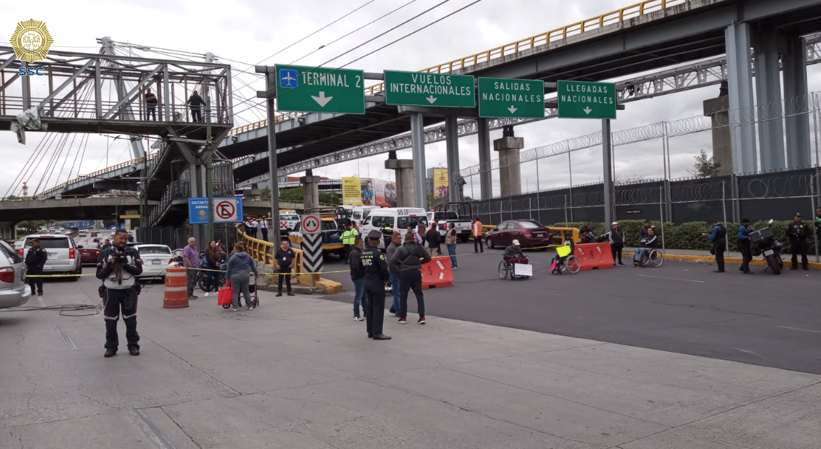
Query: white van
x,y
397,218
360,213
63,257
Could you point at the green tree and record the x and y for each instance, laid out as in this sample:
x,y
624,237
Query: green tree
x,y
266,194
705,167
293,195
329,198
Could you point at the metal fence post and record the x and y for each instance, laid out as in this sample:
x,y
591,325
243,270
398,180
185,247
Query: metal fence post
x,y
661,216
538,187
813,181
565,209
724,206
570,171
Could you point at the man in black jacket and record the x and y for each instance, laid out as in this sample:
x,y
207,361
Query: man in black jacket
x,y
433,239
798,232
35,261
718,236
118,268
195,101
283,259
376,276
358,278
410,258
616,237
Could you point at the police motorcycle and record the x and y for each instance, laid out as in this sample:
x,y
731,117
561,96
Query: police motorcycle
x,y
763,243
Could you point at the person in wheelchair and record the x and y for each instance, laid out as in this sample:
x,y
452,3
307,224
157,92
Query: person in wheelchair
x,y
647,244
513,254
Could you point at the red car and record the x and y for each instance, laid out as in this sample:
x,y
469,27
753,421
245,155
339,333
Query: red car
x,y
88,256
529,233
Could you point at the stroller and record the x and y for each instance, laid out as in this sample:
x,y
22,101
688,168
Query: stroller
x,y
251,288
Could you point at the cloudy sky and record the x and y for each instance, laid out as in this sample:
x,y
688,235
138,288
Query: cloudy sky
x,y
244,32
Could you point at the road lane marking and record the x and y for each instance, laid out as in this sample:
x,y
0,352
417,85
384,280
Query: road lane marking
x,y
799,329
42,303
671,279
151,429
66,338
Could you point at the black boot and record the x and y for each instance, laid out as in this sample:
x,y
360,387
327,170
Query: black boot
x,y
110,352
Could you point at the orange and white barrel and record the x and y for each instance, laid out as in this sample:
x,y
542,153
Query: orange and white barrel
x,y
176,288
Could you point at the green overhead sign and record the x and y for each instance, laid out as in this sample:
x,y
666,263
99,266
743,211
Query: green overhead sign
x,y
582,99
310,89
511,98
429,89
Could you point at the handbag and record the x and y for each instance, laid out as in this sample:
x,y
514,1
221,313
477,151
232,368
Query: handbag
x,y
226,295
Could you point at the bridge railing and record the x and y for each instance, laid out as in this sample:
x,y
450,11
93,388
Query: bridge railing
x,y
528,43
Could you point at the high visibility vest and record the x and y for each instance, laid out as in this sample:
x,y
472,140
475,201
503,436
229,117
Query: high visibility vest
x,y
346,237
354,234
477,229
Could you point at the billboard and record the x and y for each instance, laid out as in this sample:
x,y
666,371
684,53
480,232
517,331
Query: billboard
x,y
351,192
440,182
380,192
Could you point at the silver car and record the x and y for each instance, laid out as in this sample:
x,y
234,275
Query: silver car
x,y
14,291
156,258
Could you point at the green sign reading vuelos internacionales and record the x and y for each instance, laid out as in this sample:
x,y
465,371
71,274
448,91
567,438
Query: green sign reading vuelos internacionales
x,y
582,99
511,98
429,89
315,89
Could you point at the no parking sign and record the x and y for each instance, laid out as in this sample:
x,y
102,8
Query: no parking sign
x,y
226,210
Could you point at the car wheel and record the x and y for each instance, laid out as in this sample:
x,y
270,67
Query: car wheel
x,y
490,243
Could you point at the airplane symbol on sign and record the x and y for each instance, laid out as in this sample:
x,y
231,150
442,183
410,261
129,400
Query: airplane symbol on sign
x,y
287,78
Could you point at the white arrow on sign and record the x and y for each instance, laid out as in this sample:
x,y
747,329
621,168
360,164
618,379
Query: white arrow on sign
x,y
322,99
431,99
587,110
512,109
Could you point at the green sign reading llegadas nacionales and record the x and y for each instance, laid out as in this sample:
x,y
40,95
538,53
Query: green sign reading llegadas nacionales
x,y
582,99
511,98
429,89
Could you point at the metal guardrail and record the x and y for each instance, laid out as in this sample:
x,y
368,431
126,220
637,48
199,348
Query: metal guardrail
x,y
582,26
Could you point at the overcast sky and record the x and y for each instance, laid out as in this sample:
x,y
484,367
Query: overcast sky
x,y
252,30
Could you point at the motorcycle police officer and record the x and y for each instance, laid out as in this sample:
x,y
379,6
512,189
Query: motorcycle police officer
x,y
35,261
376,275
798,232
118,268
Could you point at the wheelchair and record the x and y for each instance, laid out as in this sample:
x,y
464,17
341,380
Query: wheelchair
x,y
565,262
652,259
507,270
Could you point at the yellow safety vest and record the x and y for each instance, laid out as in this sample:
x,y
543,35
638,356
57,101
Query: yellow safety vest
x,y
346,237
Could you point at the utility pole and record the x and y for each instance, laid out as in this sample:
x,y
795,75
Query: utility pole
x,y
209,163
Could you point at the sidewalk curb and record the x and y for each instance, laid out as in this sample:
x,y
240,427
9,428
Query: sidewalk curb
x,y
729,260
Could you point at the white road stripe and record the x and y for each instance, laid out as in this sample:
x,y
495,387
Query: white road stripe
x,y
799,329
153,432
66,338
671,279
40,299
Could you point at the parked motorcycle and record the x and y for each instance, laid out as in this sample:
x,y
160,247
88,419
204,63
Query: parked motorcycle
x,y
763,243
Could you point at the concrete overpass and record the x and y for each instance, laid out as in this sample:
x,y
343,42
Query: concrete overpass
x,y
15,211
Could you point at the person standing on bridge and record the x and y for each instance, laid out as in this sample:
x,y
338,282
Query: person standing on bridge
x,y
263,225
195,101
151,104
191,257
410,258
35,261
118,269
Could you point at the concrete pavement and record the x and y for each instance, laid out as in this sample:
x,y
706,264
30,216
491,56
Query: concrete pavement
x,y
299,373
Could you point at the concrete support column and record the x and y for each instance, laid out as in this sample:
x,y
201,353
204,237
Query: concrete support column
x,y
740,86
510,172
768,94
485,178
405,183
452,141
418,143
310,191
718,109
196,173
796,106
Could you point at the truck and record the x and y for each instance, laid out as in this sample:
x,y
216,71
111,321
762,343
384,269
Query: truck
x,y
460,213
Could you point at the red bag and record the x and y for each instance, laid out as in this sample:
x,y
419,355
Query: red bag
x,y
225,296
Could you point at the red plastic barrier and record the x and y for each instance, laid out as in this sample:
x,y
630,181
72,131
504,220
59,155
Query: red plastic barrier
x,y
594,255
437,273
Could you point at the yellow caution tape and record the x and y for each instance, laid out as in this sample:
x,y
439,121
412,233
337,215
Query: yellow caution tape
x,y
58,275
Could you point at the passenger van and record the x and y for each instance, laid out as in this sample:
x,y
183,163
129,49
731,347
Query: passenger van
x,y
397,218
360,213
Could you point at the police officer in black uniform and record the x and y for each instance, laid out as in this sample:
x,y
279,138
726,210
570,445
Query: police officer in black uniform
x,y
118,268
35,261
376,275
798,233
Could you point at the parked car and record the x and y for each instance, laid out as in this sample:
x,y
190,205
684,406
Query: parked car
x,y
529,233
63,255
88,256
14,291
156,258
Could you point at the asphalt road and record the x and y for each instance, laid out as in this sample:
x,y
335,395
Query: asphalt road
x,y
680,307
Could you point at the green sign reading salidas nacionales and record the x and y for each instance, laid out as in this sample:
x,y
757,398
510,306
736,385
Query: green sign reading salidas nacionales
x,y
581,99
511,98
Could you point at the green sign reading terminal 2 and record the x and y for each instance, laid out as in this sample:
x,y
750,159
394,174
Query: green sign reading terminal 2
x,y
581,99
320,89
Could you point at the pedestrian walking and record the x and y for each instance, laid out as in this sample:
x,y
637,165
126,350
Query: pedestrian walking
x,y
798,232
191,259
35,261
476,226
284,259
213,258
263,226
410,258
196,102
358,278
376,275
118,269
616,237
150,104
393,270
433,236
240,267
450,242
744,246
718,236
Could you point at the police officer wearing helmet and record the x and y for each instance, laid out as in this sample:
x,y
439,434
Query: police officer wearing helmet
x,y
35,261
376,275
798,232
118,268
